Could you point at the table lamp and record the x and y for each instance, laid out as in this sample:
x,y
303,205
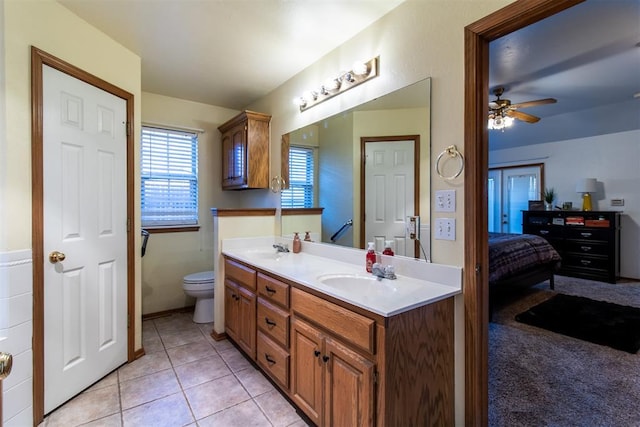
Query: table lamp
x,y
586,186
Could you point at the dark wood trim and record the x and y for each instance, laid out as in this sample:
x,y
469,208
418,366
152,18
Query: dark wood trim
x,y
174,229
139,353
416,179
284,160
40,58
476,300
302,211
165,313
218,337
244,212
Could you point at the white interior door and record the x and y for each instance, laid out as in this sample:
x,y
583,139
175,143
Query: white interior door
x,y
389,194
510,190
85,215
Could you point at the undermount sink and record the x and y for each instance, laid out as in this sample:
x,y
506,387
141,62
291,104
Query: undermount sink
x,y
358,282
267,254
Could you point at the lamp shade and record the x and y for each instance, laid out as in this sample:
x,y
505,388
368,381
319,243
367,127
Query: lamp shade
x,y
586,185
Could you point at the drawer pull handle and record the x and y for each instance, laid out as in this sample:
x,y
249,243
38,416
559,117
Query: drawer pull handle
x,y
586,234
544,231
585,262
586,248
316,353
325,358
269,322
269,359
270,290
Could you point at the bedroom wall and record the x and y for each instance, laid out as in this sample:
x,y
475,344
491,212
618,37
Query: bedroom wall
x,y
613,159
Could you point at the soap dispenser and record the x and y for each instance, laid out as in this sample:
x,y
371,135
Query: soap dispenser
x,y
296,243
307,236
370,257
387,248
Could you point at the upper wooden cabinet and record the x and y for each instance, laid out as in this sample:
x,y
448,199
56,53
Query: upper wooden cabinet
x,y
245,151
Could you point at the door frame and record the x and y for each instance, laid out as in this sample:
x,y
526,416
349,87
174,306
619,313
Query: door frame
x,y
416,178
40,58
476,142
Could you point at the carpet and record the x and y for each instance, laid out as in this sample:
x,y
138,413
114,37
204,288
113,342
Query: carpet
x,y
600,322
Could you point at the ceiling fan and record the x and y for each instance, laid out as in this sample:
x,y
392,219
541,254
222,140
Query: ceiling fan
x,y
502,111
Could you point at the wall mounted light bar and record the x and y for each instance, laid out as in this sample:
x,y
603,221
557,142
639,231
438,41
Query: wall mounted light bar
x,y
360,73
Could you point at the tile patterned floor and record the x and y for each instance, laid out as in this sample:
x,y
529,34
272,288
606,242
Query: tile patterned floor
x,y
184,379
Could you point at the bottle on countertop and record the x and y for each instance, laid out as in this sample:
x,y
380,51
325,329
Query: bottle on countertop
x,y
387,248
307,236
296,243
370,257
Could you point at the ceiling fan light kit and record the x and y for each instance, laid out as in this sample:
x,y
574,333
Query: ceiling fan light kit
x,y
502,112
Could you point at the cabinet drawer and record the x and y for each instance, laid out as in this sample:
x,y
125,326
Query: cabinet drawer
x,y
272,358
586,247
273,290
273,321
546,231
587,233
574,260
350,326
240,273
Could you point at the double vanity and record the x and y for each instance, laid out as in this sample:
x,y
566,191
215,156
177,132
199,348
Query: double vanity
x,y
346,347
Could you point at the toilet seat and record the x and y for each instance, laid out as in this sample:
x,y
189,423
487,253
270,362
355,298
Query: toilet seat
x,y
201,286
201,277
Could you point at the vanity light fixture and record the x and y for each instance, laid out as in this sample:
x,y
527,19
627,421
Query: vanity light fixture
x,y
360,73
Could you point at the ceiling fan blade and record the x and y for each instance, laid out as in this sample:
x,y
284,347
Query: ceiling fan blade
x,y
534,103
522,116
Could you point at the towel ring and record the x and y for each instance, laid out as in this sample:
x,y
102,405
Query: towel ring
x,y
277,184
452,152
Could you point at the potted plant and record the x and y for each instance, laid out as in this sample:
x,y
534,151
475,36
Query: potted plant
x,y
549,196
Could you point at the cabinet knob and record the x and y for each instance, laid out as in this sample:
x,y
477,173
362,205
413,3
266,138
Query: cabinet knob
x,y
316,353
325,358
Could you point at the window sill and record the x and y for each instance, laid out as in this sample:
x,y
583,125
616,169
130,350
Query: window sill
x,y
172,229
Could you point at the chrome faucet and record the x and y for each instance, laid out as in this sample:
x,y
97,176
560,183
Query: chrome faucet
x,y
281,247
383,272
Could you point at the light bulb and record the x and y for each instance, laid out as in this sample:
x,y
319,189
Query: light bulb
x,y
360,68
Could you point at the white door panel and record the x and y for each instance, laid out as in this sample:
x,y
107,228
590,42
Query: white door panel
x,y
389,193
84,195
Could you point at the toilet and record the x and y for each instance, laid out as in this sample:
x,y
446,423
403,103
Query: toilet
x,y
201,286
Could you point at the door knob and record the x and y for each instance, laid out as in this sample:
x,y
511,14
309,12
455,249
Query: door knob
x,y
6,361
56,256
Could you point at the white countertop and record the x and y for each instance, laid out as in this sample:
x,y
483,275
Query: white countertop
x,y
418,283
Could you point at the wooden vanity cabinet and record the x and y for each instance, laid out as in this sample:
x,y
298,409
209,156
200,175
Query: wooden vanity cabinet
x,y
240,305
245,151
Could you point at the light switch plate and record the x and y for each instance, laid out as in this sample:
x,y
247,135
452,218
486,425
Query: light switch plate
x,y
445,229
445,201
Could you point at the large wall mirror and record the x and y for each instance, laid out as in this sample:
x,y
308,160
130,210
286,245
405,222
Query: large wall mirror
x,y
371,169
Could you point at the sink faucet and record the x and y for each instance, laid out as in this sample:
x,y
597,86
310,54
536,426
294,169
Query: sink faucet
x,y
281,247
383,272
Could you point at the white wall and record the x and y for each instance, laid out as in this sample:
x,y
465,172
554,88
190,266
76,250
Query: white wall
x,y
614,160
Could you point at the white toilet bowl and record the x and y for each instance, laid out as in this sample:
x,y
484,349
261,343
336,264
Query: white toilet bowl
x,y
201,286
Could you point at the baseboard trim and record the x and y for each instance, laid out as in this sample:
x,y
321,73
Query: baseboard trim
x,y
138,353
166,313
218,337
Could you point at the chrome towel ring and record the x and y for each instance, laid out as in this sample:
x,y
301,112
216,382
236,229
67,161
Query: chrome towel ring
x,y
452,152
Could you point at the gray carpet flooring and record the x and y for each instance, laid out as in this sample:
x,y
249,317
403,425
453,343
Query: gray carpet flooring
x,y
540,378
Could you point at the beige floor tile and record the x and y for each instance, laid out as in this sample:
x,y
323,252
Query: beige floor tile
x,y
177,338
168,411
214,396
147,364
109,380
152,344
254,381
149,328
205,328
235,359
244,414
86,407
221,346
277,408
148,388
114,420
175,322
201,371
190,352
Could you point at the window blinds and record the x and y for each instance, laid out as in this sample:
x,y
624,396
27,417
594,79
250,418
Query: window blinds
x,y
301,178
169,172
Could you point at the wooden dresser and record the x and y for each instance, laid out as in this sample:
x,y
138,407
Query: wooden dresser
x,y
588,242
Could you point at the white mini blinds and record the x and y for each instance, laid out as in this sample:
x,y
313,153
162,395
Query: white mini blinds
x,y
169,171
301,174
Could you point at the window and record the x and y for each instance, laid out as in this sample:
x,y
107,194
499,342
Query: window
x,y
301,176
169,173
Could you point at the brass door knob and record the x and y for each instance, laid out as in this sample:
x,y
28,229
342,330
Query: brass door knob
x,y
56,256
6,362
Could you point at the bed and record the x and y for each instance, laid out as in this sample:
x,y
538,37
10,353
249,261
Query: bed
x,y
519,260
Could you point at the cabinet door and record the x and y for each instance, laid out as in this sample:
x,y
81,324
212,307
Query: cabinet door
x,y
247,321
234,148
307,369
349,389
231,309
